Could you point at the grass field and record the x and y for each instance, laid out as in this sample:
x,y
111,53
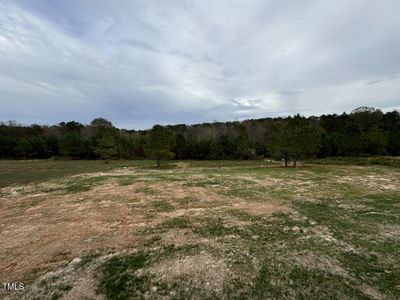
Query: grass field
x,y
199,230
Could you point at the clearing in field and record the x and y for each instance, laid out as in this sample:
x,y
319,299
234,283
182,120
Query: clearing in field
x,y
89,230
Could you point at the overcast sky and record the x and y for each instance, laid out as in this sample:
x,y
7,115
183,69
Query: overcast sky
x,y
138,63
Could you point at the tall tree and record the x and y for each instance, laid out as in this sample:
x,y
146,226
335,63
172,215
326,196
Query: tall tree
x,y
365,131
304,138
294,139
159,143
101,123
107,147
278,141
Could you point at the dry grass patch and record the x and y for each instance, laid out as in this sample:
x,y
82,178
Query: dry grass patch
x,y
195,232
201,270
391,232
314,261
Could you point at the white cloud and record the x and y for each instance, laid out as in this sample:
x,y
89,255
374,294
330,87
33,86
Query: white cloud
x,y
144,62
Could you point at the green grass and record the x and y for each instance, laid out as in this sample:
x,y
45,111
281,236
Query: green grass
x,y
119,278
162,205
273,276
186,201
230,163
87,259
127,180
146,190
31,171
298,283
213,227
177,222
372,261
359,161
84,184
328,243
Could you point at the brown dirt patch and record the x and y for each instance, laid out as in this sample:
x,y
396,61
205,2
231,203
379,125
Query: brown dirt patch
x,y
49,230
371,292
389,182
40,232
203,269
262,208
180,237
312,261
390,232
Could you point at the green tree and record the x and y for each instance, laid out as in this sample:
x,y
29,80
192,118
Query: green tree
x,y
294,139
278,141
101,123
374,141
159,143
107,147
391,126
73,146
180,147
304,138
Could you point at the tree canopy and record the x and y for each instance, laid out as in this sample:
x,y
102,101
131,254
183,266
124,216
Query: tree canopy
x,y
365,131
159,142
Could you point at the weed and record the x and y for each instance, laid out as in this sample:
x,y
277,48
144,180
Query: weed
x,y
177,222
161,205
214,227
120,278
87,259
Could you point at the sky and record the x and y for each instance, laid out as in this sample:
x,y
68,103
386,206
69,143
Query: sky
x,y
140,63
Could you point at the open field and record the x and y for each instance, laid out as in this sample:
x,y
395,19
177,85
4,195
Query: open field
x,y
203,230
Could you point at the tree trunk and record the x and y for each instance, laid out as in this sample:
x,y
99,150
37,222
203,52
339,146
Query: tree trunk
x,y
286,160
295,162
158,163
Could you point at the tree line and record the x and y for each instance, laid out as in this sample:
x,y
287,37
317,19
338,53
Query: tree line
x,y
364,131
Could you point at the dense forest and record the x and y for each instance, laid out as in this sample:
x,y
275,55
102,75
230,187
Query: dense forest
x,y
365,131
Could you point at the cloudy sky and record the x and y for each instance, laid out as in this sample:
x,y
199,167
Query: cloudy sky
x,y
138,63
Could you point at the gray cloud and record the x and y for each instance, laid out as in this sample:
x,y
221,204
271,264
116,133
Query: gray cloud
x,y
383,79
144,62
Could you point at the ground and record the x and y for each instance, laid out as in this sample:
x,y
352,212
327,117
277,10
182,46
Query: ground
x,y
226,230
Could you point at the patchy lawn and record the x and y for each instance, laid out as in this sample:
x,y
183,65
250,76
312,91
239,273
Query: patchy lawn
x,y
199,230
